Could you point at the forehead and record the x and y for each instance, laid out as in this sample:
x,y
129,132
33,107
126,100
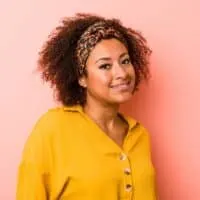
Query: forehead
x,y
108,48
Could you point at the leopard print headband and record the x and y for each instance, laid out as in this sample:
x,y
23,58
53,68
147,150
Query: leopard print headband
x,y
88,40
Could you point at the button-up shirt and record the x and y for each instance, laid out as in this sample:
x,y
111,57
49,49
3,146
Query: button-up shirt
x,y
68,156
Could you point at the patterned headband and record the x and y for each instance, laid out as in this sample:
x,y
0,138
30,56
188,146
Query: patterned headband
x,y
88,40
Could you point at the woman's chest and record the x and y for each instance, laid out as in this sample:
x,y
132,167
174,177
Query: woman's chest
x,y
88,171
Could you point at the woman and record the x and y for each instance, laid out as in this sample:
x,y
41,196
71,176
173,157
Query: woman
x,y
86,149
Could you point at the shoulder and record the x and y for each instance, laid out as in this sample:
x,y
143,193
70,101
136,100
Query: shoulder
x,y
45,130
54,117
137,128
134,124
52,114
142,134
50,123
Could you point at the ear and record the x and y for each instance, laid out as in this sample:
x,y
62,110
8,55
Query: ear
x,y
82,82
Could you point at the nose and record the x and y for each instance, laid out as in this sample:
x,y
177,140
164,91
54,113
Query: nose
x,y
119,71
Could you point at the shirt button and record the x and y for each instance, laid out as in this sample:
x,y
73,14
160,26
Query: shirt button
x,y
122,156
127,171
128,187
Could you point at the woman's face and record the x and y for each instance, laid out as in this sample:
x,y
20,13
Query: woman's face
x,y
110,75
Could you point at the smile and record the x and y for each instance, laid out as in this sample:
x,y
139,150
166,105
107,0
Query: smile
x,y
122,86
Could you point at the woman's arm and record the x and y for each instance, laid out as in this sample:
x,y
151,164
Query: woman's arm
x,y
33,173
31,183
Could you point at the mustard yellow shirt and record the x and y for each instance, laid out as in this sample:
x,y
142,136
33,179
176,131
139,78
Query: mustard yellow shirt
x,y
67,156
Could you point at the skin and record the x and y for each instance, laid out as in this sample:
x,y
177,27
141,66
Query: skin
x,y
109,82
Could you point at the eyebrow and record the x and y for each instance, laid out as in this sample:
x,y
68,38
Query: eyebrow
x,y
108,58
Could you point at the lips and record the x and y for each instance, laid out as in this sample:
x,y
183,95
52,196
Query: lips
x,y
119,84
122,86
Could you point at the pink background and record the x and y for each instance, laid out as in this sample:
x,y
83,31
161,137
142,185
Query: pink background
x,y
167,106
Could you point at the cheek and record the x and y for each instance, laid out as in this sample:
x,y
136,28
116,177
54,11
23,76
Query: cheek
x,y
98,79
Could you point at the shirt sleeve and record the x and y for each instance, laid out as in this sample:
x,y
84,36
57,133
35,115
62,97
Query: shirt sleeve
x,y
30,183
33,171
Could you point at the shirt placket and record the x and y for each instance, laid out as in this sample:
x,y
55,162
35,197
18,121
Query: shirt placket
x,y
127,173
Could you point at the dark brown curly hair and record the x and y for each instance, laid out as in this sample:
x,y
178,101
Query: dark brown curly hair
x,y
57,61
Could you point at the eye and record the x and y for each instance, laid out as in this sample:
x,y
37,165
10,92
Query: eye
x,y
126,61
105,66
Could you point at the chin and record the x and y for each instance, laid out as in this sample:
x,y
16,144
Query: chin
x,y
123,99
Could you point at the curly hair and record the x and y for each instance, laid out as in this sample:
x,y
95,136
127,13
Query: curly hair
x,y
57,62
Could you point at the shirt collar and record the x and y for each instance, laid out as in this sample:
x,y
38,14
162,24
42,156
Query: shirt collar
x,y
78,108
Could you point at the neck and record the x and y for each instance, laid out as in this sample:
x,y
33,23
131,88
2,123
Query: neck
x,y
104,115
